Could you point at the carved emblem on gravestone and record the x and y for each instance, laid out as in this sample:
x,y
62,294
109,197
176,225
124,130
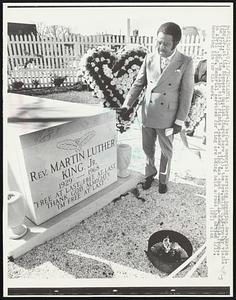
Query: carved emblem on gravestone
x,y
76,144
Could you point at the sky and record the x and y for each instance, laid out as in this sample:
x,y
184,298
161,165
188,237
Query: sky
x,y
114,19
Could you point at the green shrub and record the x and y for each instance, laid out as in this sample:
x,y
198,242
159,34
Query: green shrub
x,y
78,86
58,80
16,85
35,83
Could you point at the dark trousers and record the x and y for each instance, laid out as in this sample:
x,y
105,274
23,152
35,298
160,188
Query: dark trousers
x,y
149,137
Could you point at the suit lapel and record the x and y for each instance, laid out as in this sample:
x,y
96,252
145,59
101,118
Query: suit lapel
x,y
156,67
173,65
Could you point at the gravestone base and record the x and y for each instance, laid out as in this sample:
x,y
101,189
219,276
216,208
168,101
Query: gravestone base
x,y
39,234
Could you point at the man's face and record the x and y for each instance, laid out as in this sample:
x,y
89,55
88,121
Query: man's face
x,y
165,45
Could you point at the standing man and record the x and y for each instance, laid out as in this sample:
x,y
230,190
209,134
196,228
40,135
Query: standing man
x,y
168,76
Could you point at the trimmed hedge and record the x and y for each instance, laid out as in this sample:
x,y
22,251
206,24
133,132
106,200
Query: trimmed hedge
x,y
50,90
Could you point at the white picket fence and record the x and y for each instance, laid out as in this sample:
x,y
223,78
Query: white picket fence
x,y
34,59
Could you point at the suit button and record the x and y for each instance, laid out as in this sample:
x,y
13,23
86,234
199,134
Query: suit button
x,y
169,83
162,103
150,101
164,94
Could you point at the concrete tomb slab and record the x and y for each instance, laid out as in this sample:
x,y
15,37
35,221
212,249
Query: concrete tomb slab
x,y
58,164
63,158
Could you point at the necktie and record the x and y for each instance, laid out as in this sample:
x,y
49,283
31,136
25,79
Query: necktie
x,y
164,63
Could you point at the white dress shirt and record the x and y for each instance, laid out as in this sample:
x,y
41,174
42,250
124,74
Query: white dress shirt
x,y
166,60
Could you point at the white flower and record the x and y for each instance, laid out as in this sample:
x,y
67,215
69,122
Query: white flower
x,y
96,69
102,58
131,80
97,59
130,58
107,71
93,64
124,83
100,94
90,52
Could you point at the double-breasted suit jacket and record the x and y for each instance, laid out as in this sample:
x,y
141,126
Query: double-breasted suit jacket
x,y
168,94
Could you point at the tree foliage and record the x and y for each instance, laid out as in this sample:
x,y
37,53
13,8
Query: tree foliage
x,y
53,31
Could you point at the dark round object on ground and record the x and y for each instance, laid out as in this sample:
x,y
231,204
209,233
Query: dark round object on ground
x,y
162,263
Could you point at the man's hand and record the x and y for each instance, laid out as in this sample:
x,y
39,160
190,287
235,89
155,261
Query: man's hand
x,y
176,128
125,113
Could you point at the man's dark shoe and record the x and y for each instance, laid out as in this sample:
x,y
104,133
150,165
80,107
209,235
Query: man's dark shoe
x,y
162,188
190,133
148,182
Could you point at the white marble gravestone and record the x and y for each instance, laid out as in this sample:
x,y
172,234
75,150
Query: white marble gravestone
x,y
59,153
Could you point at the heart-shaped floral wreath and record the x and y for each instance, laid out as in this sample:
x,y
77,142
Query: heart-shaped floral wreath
x,y
110,75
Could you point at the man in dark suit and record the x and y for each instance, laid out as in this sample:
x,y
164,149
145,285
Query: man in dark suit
x,y
168,76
